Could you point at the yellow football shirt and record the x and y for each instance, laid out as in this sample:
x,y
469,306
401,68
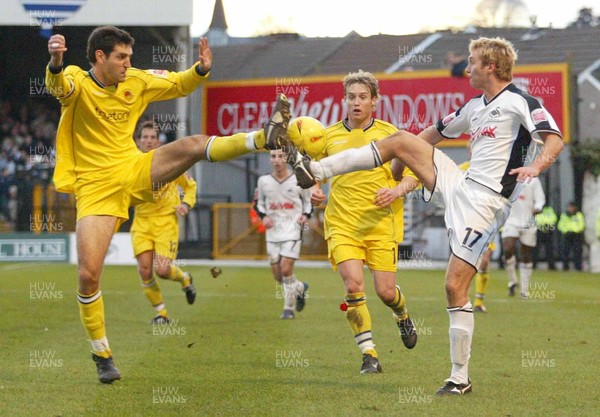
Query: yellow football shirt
x,y
167,198
350,210
97,122
155,223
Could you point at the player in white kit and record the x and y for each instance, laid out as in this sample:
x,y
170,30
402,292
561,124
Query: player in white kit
x,y
520,226
501,123
284,209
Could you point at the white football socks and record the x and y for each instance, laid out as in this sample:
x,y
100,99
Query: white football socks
x,y
525,270
289,292
364,158
510,266
462,325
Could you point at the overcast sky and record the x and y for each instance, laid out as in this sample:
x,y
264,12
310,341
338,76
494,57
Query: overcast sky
x,y
337,18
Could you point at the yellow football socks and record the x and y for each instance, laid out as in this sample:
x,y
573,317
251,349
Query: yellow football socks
x,y
359,319
152,291
398,306
91,312
176,274
224,148
259,139
481,286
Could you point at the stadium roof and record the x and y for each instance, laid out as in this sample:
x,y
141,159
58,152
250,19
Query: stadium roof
x,y
293,55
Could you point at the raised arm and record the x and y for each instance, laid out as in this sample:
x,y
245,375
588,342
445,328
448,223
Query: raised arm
x,y
56,82
553,145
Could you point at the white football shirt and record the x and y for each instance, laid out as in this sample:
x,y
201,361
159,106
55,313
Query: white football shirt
x,y
530,199
501,131
284,202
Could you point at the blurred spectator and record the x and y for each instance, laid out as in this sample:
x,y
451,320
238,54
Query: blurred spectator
x,y
458,64
12,206
27,134
571,226
546,235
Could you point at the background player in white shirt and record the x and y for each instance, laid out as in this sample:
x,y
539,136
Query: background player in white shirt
x,y
520,226
284,209
501,123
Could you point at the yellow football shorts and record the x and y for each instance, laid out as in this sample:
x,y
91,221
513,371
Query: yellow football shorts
x,y
112,193
380,255
159,234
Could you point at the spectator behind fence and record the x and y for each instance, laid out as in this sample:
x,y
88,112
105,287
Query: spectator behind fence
x,y
571,227
546,235
458,64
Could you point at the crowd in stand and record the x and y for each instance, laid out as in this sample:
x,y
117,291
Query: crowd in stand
x,y
27,151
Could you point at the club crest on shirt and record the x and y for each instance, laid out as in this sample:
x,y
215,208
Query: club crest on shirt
x,y
128,96
538,116
159,72
495,113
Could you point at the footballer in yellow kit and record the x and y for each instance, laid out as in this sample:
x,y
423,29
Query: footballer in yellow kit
x,y
155,231
98,161
364,219
350,210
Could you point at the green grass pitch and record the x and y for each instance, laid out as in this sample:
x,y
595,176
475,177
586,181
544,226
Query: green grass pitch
x,y
231,355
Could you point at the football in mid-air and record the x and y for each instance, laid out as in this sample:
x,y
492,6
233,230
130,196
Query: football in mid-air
x,y
308,134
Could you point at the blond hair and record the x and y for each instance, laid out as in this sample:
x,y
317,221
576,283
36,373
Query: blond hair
x,y
362,77
496,50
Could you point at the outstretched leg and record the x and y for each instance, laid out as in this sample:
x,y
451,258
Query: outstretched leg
x,y
175,158
411,150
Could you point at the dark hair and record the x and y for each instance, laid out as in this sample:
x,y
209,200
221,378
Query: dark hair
x,y
148,124
105,38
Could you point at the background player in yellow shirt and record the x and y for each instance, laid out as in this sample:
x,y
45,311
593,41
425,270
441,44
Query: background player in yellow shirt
x,y
155,231
100,164
364,219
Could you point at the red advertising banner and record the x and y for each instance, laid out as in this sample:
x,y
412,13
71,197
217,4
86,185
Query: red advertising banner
x,y
409,100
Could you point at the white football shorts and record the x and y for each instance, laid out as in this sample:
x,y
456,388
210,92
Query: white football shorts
x,y
527,236
289,249
474,213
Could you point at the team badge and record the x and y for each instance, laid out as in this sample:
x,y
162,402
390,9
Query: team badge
x,y
159,72
128,95
539,116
